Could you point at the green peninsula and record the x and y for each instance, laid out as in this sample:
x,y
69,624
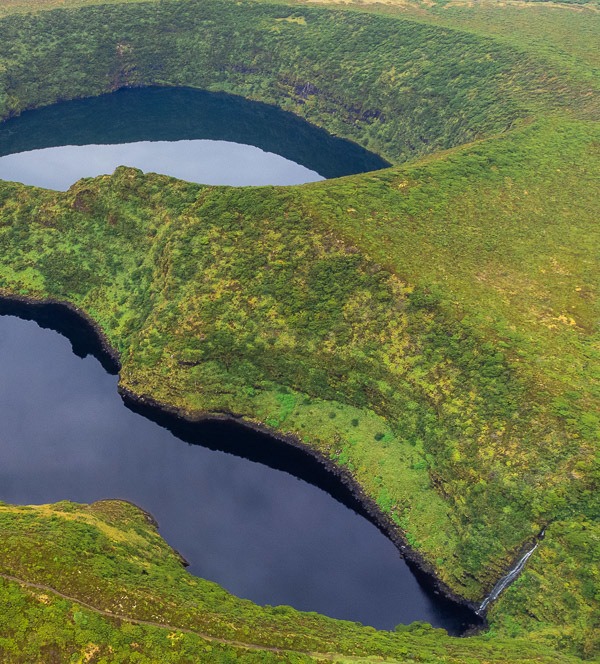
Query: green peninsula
x,y
430,329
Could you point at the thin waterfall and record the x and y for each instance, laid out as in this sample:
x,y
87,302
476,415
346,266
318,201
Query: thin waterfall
x,y
508,578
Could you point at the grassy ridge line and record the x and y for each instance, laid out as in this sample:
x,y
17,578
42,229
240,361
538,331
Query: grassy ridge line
x,y
510,251
544,26
567,37
572,37
8,7
147,623
108,556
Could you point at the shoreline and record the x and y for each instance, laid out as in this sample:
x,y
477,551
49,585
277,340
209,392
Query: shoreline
x,y
100,348
109,358
417,563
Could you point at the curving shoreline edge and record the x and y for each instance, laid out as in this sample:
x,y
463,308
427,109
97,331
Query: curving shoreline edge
x,y
22,306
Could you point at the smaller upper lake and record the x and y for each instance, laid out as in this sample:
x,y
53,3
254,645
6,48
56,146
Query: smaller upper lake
x,y
193,135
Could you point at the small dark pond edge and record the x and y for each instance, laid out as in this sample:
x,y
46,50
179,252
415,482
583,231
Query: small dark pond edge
x,y
294,457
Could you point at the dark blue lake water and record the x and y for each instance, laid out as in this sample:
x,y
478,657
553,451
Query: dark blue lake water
x,y
189,134
264,521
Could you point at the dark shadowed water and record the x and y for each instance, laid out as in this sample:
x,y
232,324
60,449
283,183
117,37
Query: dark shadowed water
x,y
190,134
264,520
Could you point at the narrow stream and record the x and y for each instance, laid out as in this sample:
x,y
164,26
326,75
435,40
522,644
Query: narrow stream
x,y
509,577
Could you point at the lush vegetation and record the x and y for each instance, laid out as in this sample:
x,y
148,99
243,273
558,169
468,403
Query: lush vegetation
x,y
432,328
124,597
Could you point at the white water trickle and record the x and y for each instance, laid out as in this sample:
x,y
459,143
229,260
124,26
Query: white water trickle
x,y
508,578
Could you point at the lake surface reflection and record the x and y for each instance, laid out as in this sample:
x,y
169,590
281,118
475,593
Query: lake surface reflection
x,y
190,134
203,161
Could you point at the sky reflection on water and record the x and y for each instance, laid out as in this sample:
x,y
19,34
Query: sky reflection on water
x,y
202,161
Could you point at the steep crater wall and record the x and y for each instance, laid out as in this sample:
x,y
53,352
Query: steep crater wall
x,y
398,87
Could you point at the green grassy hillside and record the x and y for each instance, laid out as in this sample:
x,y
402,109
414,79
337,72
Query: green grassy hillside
x,y
432,328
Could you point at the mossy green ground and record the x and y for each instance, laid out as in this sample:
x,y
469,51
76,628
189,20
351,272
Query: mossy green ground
x,y
432,327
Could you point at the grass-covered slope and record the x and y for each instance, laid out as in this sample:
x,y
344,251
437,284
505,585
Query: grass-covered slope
x,y
97,584
431,328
